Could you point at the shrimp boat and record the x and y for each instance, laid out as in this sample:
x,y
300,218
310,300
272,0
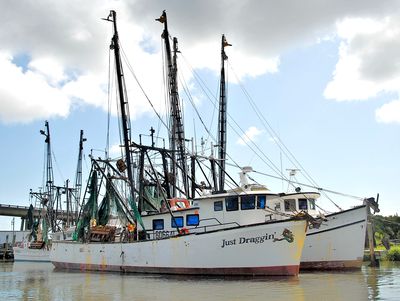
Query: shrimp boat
x,y
333,242
43,223
178,240
35,247
162,226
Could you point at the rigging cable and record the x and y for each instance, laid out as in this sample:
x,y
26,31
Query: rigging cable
x,y
243,136
142,89
289,155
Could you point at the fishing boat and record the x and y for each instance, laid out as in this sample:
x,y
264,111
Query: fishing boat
x,y
50,221
35,247
333,241
151,229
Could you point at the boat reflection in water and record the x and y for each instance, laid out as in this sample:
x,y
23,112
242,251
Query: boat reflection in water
x,y
39,281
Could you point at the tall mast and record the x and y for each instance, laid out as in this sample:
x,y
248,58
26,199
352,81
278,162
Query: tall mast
x,y
78,176
177,134
49,176
123,101
222,117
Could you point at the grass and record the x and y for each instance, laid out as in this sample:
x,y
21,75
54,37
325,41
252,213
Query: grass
x,y
393,254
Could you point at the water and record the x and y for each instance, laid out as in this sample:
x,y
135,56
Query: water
x,y
39,281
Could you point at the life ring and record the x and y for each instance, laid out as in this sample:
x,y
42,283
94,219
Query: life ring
x,y
184,231
178,204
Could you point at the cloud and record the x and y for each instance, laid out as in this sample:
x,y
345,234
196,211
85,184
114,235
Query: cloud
x,y
26,96
67,45
250,135
389,113
369,59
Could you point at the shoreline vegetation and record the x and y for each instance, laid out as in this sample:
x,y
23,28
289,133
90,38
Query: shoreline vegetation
x,y
386,238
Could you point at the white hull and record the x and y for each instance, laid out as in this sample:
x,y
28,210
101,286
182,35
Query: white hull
x,y
26,254
338,243
248,250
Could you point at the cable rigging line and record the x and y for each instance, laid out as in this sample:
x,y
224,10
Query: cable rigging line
x,y
289,155
141,88
243,136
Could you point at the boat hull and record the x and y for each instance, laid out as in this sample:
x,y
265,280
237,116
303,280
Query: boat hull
x,y
27,254
249,250
338,243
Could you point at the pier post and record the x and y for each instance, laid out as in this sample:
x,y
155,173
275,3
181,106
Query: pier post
x,y
370,234
22,223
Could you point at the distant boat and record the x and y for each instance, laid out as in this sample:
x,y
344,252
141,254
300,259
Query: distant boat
x,y
181,237
34,251
44,227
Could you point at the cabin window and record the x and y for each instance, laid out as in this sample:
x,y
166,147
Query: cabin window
x,y
311,204
261,202
177,221
218,206
192,220
303,204
277,207
232,203
247,202
290,205
158,224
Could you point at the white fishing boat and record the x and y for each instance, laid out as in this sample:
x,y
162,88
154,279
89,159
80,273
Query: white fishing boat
x,y
262,249
150,230
39,251
339,241
46,222
333,241
26,251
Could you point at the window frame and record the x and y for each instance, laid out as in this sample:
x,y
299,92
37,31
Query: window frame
x,y
312,204
154,221
259,203
221,203
303,201
174,222
234,199
289,209
190,223
248,197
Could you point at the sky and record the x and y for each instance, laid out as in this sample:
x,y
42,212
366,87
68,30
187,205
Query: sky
x,y
323,75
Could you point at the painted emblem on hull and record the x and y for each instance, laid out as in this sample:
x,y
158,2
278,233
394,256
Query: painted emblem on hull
x,y
286,235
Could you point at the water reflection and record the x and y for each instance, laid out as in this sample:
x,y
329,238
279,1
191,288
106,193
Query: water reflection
x,y
39,281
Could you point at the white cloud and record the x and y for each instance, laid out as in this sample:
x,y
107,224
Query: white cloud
x,y
87,88
369,59
50,68
389,113
250,135
26,96
68,37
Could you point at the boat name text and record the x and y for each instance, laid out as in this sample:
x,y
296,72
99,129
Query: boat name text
x,y
245,240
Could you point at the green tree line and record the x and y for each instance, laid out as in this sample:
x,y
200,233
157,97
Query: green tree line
x,y
386,226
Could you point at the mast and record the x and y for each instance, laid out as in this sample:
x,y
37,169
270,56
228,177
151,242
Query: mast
x,y
78,176
177,134
222,118
49,202
123,101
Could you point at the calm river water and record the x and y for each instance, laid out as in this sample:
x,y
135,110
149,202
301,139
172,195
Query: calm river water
x,y
39,281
